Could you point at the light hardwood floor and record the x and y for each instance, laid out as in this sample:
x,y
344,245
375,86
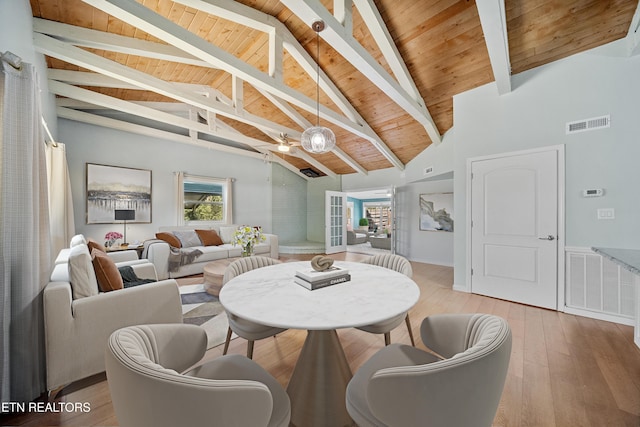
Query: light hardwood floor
x,y
565,370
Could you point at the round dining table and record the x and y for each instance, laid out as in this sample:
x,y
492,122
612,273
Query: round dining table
x,y
271,297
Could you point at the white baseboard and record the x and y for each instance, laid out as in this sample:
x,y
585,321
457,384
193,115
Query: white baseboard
x,y
432,261
461,288
599,316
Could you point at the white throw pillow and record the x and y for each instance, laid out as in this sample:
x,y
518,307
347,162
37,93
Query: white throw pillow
x,y
227,233
81,274
76,240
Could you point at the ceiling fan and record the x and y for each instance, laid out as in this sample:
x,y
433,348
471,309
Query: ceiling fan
x,y
284,145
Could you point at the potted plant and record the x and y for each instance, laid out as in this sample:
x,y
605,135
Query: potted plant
x,y
364,224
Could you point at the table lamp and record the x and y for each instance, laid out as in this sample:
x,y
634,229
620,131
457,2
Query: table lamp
x,y
125,215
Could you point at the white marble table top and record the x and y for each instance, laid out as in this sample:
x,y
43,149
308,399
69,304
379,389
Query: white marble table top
x,y
269,296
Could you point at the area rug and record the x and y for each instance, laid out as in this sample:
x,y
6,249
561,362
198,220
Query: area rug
x,y
200,308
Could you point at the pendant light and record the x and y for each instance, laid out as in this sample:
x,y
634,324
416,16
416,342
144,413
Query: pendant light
x,y
318,139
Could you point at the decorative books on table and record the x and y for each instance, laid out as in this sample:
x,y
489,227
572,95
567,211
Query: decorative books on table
x,y
312,279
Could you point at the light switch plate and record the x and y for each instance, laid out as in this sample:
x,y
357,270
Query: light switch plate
x,y
606,213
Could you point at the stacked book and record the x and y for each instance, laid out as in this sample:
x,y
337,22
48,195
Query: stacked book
x,y
312,279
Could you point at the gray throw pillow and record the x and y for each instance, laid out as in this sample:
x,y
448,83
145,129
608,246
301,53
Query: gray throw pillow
x,y
188,239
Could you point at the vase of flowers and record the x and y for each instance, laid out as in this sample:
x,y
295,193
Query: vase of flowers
x,y
111,237
247,237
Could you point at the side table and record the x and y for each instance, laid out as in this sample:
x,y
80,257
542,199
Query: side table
x,y
213,273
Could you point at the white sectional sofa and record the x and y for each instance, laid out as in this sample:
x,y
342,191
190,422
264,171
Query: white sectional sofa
x,y
160,252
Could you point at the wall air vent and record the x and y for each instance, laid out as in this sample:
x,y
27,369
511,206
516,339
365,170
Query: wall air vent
x,y
589,124
428,170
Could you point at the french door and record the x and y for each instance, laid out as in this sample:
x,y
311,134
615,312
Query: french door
x,y
335,222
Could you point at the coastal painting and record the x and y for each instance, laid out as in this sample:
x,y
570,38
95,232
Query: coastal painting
x,y
114,187
436,212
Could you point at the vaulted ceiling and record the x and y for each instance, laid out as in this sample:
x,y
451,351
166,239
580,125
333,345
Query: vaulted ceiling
x,y
238,75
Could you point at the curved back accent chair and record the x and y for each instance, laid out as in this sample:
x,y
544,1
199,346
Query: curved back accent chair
x,y
148,389
404,386
401,265
244,328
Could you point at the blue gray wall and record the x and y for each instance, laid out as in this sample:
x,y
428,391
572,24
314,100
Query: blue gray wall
x,y
591,84
252,189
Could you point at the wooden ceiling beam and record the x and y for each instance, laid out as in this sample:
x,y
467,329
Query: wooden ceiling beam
x,y
220,130
84,37
344,43
380,33
145,19
74,55
494,26
94,119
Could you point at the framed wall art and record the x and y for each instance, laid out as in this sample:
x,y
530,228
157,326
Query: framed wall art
x,y
114,187
436,212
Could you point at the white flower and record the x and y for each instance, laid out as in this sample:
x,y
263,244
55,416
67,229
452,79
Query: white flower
x,y
247,235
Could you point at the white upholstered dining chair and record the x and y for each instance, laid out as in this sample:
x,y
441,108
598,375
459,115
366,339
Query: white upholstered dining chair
x,y
150,388
401,265
404,386
244,328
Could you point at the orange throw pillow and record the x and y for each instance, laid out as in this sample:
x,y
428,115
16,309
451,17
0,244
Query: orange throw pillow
x,y
171,239
209,237
107,274
92,244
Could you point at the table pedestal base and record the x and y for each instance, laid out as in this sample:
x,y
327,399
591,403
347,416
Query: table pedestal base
x,y
319,381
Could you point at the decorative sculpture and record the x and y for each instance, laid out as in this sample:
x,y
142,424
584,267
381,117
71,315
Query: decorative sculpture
x,y
321,263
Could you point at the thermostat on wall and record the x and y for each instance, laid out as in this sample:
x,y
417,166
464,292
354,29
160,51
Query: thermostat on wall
x,y
593,192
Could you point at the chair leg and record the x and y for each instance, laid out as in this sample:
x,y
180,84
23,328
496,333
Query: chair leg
x,y
387,338
226,343
250,349
408,322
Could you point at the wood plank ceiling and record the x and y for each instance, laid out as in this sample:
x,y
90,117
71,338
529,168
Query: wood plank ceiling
x,y
441,42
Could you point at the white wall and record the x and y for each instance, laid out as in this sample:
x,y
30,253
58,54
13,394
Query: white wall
x,y
432,247
289,205
316,204
252,192
16,36
595,83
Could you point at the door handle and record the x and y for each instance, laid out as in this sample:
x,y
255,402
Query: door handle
x,y
549,237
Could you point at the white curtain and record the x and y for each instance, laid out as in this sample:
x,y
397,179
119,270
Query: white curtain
x,y
228,202
25,257
180,200
60,200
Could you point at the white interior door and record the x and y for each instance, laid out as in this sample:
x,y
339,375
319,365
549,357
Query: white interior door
x,y
514,228
335,222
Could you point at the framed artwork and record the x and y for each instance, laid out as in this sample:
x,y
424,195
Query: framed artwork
x,y
436,212
114,187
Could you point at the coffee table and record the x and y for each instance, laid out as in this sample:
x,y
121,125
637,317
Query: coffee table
x,y
270,296
213,273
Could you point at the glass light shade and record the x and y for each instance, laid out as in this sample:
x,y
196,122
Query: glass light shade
x,y
283,147
318,139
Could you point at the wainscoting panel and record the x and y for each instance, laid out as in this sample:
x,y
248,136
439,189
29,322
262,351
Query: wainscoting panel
x,y
597,287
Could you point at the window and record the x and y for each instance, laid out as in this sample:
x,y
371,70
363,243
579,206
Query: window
x,y
204,199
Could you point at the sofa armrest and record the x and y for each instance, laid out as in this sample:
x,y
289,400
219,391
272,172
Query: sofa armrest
x,y
272,240
120,256
145,271
158,254
76,331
